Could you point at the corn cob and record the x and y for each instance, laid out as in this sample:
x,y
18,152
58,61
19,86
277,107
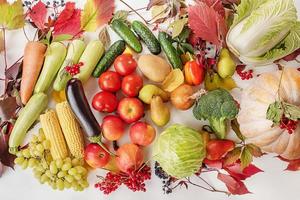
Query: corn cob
x,y
71,129
53,133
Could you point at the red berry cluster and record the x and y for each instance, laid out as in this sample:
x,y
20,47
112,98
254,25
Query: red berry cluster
x,y
288,124
74,69
134,180
245,75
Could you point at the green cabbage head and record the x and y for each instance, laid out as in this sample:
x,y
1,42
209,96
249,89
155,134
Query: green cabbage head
x,y
179,150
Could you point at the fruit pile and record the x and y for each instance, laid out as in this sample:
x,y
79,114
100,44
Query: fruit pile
x,y
59,174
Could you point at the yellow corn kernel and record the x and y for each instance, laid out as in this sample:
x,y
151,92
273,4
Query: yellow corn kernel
x,y
71,129
53,133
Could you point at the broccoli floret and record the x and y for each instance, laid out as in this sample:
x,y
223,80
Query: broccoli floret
x,y
216,106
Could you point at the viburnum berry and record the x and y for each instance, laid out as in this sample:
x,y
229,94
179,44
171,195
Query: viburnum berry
x,y
133,179
288,124
245,75
74,69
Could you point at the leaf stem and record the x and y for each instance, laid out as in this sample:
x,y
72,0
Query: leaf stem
x,y
25,34
205,188
135,11
4,46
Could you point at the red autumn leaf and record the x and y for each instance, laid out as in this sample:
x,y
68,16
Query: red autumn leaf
x,y
216,148
38,15
206,23
292,56
293,165
233,185
215,4
218,164
235,170
5,157
68,22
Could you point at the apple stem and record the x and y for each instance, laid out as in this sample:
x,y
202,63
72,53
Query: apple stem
x,y
97,140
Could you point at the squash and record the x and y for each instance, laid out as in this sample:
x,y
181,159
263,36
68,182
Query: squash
x,y
254,103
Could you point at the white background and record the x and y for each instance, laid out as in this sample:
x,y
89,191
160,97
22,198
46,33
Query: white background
x,y
273,184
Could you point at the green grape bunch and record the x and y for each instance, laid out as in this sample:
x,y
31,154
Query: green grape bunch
x,y
59,174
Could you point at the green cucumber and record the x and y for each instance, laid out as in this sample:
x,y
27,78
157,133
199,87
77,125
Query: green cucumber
x,y
75,49
31,112
109,57
170,51
55,56
127,35
90,57
147,36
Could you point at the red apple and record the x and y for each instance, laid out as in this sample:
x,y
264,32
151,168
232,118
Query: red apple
x,y
129,157
96,156
113,127
142,133
130,109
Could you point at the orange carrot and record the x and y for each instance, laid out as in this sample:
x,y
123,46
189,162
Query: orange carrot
x,y
32,64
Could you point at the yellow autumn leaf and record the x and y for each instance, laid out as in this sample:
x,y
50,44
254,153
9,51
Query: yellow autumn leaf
x,y
159,12
96,13
11,15
177,26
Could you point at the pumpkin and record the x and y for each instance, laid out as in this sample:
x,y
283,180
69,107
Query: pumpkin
x,y
254,104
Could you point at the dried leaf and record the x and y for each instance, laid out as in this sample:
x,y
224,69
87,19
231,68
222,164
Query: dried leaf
x,y
255,150
104,37
68,22
121,15
234,186
38,14
246,157
8,108
236,128
236,171
5,157
232,156
96,13
160,13
1,40
177,26
12,16
1,169
205,23
13,72
155,3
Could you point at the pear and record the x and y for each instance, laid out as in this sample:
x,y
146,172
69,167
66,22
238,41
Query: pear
x,y
160,113
149,90
226,65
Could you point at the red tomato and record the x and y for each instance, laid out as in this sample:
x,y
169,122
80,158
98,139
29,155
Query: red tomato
x,y
105,102
131,85
125,64
194,73
110,81
216,149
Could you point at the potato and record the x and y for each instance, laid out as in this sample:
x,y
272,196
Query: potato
x,y
154,67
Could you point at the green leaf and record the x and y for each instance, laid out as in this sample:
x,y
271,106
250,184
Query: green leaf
x,y
255,150
275,112
246,157
11,16
188,47
184,35
178,26
291,111
232,156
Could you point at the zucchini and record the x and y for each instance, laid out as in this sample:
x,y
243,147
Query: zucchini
x,y
55,56
147,36
109,57
75,49
127,35
170,51
90,57
31,112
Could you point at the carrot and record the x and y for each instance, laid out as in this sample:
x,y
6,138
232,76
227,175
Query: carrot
x,y
32,65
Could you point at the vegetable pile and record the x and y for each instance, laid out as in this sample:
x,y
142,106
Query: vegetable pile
x,y
188,66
